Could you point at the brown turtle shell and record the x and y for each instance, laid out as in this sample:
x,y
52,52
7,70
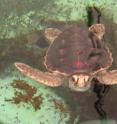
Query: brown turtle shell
x,y
73,52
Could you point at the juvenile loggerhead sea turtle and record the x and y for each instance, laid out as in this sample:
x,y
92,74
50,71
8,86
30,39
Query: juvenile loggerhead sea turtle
x,y
76,54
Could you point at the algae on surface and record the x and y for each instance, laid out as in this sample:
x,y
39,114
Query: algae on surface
x,y
24,101
21,17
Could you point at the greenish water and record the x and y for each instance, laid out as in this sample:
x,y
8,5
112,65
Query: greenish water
x,y
80,105
30,49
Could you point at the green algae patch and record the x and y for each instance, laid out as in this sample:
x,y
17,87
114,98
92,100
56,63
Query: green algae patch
x,y
23,101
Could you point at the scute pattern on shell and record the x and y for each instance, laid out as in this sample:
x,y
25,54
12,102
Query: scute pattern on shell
x,y
73,52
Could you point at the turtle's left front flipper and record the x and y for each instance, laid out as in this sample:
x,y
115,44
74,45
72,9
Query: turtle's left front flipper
x,y
45,78
107,77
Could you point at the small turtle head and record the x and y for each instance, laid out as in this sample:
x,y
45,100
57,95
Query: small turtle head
x,y
80,82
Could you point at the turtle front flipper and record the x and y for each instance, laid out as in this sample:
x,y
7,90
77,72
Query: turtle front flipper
x,y
107,77
46,78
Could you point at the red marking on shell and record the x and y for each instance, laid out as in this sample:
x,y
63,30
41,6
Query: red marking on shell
x,y
79,63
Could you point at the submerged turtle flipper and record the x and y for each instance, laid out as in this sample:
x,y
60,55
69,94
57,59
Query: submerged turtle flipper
x,y
107,77
46,78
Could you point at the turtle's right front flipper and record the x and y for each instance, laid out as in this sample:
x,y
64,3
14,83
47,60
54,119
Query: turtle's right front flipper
x,y
46,78
107,77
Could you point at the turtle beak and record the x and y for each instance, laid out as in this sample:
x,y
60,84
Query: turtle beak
x,y
80,82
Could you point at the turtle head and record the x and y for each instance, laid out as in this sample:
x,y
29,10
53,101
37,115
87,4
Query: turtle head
x,y
80,82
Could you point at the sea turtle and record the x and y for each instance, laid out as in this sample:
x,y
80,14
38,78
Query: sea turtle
x,y
76,54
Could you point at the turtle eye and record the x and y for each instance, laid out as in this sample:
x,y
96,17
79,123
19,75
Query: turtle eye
x,y
86,78
75,79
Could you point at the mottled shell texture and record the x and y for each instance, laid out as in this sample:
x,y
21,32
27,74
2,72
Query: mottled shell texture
x,y
73,52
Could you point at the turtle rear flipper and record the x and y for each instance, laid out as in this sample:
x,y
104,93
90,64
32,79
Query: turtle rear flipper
x,y
107,77
51,34
46,78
